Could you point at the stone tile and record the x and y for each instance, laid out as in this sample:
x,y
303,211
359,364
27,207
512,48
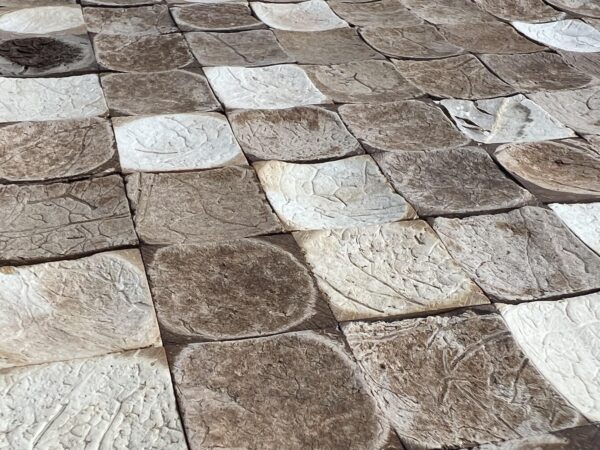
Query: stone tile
x,y
569,35
447,11
39,222
215,17
494,37
120,2
361,82
525,254
40,56
582,219
536,72
456,380
142,53
272,87
584,62
580,7
46,19
579,110
458,181
509,119
244,48
525,10
580,438
176,142
275,393
339,46
41,151
343,193
389,270
236,289
311,15
398,126
158,93
125,399
199,207
22,3
379,13
75,309
554,171
40,99
153,19
417,42
561,339
303,133
457,77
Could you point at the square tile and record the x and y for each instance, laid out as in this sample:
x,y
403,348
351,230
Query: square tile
x,y
151,20
308,16
583,219
215,17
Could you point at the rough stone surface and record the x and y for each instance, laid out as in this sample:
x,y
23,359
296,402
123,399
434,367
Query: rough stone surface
x,y
154,19
582,219
458,77
120,2
344,193
272,87
40,151
75,309
235,289
582,7
311,15
397,126
379,13
569,35
142,53
176,142
123,400
579,438
458,380
562,340
536,72
215,17
418,42
22,3
158,93
584,62
525,10
303,133
456,181
447,11
62,19
276,392
386,270
525,254
40,99
64,219
501,120
339,46
554,171
244,48
361,82
199,207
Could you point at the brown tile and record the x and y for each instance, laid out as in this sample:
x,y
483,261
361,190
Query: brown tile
x,y
520,10
153,19
588,63
447,11
215,17
379,13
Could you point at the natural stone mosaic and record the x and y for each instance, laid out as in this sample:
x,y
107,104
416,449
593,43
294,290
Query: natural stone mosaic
x,y
525,10
379,13
582,219
569,35
303,133
447,11
199,207
480,387
397,126
62,19
344,193
311,15
154,19
456,181
525,254
579,438
215,17
386,270
41,151
75,309
582,7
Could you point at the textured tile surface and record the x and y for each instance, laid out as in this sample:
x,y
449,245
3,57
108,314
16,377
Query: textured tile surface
x,y
583,7
215,17
583,219
447,11
311,15
379,13
44,19
569,35
525,10
580,438
153,19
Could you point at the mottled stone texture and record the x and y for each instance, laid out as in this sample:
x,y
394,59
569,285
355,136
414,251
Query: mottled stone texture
x,y
379,13
525,10
584,7
123,400
199,207
235,289
154,19
397,126
308,16
39,151
584,62
582,219
56,220
158,93
120,2
568,35
579,438
296,134
390,270
215,17
276,392
525,254
456,381
447,11
75,309
554,171
457,181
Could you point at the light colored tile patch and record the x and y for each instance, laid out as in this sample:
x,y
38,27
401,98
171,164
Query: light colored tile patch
x,y
312,15
569,35
40,99
562,340
501,120
75,309
123,400
273,87
583,219
387,270
42,20
176,142
344,193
